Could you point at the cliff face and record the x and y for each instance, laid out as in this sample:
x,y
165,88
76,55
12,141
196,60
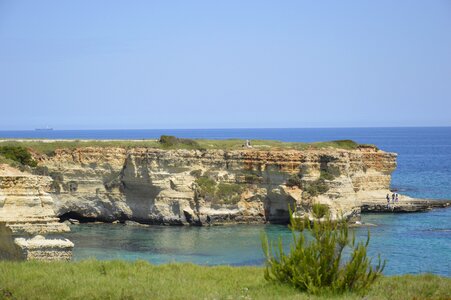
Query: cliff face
x,y
26,215
213,186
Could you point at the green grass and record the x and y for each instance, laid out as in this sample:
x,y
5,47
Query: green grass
x,y
48,147
140,280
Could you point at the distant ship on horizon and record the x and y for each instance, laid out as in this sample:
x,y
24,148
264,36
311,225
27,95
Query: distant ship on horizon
x,y
44,129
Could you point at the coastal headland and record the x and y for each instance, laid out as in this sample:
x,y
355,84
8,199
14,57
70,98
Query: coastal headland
x,y
187,182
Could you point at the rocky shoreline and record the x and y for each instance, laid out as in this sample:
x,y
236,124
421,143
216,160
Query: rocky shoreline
x,y
187,187
410,206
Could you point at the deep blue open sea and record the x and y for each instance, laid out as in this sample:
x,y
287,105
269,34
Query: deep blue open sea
x,y
411,243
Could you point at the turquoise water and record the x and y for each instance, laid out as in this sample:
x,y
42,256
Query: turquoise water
x,y
411,243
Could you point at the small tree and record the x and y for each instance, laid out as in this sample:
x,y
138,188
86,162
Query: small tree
x,y
18,154
315,261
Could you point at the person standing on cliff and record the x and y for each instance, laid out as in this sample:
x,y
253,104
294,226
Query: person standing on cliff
x,y
396,198
388,200
393,197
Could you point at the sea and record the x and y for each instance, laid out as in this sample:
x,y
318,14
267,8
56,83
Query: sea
x,y
410,243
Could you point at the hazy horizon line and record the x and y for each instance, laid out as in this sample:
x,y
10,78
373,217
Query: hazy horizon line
x,y
228,128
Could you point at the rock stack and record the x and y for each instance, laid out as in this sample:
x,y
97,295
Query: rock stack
x,y
27,216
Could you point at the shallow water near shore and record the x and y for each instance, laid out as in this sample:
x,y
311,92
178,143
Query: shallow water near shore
x,y
411,243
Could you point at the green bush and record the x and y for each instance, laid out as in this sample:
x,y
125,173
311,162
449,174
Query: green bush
x,y
315,262
172,141
228,193
168,140
294,180
228,189
18,154
207,186
315,188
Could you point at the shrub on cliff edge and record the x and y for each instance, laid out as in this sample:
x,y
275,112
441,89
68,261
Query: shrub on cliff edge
x,y
18,154
172,141
315,265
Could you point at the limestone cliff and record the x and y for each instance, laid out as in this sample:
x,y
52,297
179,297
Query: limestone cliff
x,y
160,186
26,215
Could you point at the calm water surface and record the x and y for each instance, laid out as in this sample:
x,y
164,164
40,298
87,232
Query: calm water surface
x,y
411,243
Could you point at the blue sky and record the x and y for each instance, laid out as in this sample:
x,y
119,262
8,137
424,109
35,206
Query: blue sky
x,y
213,64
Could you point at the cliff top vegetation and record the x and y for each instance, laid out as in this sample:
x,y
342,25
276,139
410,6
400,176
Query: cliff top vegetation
x,y
170,142
16,155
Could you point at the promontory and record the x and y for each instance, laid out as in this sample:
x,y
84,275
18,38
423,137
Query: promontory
x,y
193,182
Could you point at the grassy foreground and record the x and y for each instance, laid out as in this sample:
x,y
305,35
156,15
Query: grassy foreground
x,y
140,280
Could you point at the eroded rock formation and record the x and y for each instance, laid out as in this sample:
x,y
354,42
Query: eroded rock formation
x,y
26,216
213,186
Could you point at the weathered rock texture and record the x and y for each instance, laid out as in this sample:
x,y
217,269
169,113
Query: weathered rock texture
x,y
26,215
158,186
406,205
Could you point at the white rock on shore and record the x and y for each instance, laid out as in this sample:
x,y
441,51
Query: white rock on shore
x,y
26,214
